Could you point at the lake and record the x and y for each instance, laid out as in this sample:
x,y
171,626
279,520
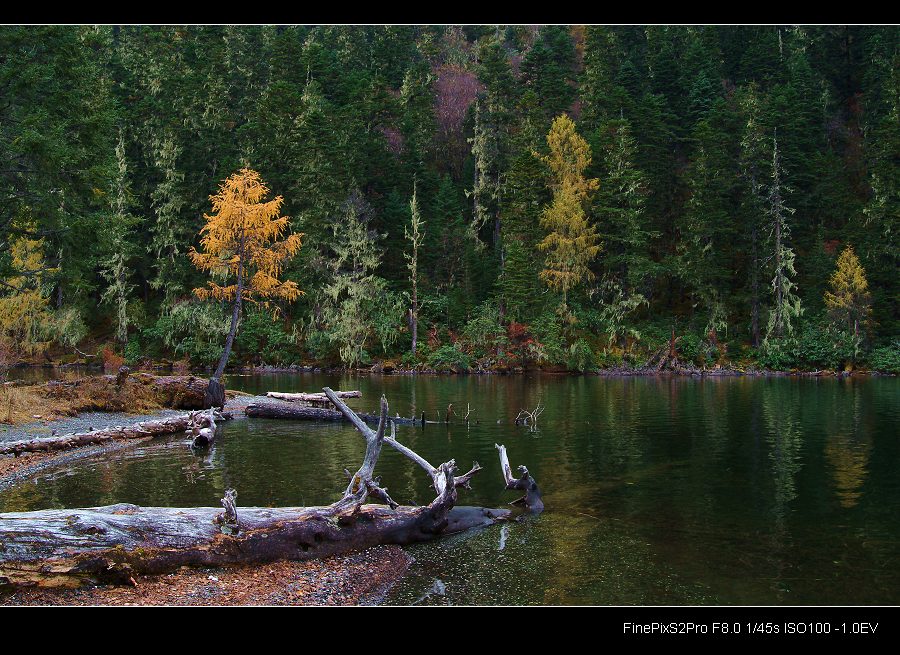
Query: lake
x,y
658,490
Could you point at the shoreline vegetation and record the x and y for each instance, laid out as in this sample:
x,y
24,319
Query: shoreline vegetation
x,y
593,199
393,368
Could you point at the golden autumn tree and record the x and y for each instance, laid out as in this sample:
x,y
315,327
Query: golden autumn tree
x,y
244,245
25,318
572,242
849,301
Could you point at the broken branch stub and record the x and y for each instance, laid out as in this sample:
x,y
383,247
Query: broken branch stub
x,y
532,498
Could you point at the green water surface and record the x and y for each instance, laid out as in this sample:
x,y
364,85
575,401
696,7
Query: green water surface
x,y
658,490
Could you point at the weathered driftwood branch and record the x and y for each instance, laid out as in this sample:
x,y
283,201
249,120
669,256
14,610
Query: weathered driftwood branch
x,y
532,498
113,543
135,431
437,478
525,417
311,397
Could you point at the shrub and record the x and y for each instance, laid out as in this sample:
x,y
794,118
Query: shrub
x,y
196,330
449,358
549,346
484,334
319,346
610,358
816,343
886,359
581,356
112,361
262,339
132,351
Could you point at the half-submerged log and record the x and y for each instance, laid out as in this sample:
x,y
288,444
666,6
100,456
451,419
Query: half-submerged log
x,y
139,430
263,407
312,397
532,498
112,544
202,427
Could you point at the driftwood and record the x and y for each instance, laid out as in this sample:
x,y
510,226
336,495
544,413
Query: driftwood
x,y
525,417
312,397
182,423
114,543
433,473
264,408
532,498
202,427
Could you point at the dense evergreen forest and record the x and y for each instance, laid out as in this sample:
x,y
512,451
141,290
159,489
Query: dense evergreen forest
x,y
578,197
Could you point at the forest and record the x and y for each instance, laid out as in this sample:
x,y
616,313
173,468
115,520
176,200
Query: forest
x,y
484,198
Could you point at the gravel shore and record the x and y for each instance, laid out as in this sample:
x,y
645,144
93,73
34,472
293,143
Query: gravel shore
x,y
361,578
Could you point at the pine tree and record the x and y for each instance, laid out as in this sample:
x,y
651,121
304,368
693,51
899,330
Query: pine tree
x,y
752,162
353,293
169,229
786,304
25,319
416,236
120,249
620,208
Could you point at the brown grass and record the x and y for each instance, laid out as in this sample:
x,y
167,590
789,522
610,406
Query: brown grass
x,y
21,404
111,360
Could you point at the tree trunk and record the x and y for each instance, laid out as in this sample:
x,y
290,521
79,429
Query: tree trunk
x,y
261,407
311,397
414,320
754,291
113,543
215,393
111,393
187,422
56,548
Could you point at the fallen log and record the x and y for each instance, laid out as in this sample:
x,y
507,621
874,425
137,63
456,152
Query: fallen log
x,y
118,393
113,544
311,397
203,427
532,498
262,407
182,423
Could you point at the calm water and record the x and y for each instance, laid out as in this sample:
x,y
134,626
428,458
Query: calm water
x,y
658,491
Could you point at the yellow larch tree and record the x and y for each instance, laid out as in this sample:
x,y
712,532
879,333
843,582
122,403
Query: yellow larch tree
x,y
244,245
572,242
849,301
25,318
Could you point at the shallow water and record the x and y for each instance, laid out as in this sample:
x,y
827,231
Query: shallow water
x,y
658,490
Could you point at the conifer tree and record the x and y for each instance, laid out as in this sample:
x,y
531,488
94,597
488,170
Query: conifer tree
x,y
572,242
416,236
120,250
786,304
353,293
244,241
849,301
